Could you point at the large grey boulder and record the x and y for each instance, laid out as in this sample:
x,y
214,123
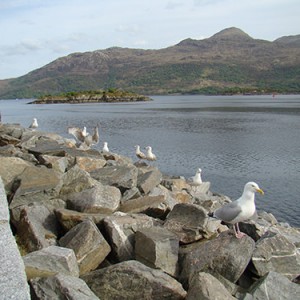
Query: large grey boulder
x,y
121,228
61,286
157,248
37,227
204,286
50,261
57,163
69,218
97,199
149,180
10,168
225,255
88,244
132,280
274,252
122,176
90,163
154,206
13,282
35,185
75,180
274,286
190,222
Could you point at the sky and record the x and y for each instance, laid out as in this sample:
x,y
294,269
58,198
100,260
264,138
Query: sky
x,y
36,32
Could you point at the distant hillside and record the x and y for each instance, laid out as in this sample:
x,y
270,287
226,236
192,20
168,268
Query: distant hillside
x,y
228,62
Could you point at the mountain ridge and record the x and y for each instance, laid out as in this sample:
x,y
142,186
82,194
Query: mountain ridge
x,y
228,61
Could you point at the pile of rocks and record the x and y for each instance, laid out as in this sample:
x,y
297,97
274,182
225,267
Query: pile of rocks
x,y
93,225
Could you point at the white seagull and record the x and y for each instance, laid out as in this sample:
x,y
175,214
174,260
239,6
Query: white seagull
x,y
149,155
83,137
196,180
34,124
239,210
139,153
105,147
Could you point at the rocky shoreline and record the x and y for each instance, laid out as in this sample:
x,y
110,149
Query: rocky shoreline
x,y
91,98
94,225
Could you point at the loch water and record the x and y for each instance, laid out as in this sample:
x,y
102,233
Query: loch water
x,y
233,139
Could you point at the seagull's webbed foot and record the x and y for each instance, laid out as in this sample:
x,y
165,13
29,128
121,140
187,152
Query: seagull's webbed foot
x,y
237,231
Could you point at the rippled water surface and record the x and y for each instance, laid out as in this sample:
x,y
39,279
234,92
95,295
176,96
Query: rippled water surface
x,y
233,139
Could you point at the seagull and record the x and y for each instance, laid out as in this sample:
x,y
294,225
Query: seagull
x,y
149,155
239,210
139,153
196,180
105,147
91,140
79,134
34,124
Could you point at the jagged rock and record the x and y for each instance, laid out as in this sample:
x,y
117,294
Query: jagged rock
x,y
157,247
175,184
122,176
190,222
14,130
90,164
121,228
131,194
61,287
149,180
275,286
97,199
225,255
169,201
153,206
88,244
10,168
144,282
70,218
207,287
274,252
50,261
59,164
291,233
37,227
8,140
35,184
76,180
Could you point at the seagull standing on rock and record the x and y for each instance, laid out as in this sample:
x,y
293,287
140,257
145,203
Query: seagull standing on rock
x,y
149,155
105,147
83,137
140,155
196,180
239,210
34,125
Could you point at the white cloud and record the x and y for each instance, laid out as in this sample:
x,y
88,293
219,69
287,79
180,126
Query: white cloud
x,y
41,30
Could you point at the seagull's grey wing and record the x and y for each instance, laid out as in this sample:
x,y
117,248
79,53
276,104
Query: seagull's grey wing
x,y
95,138
228,212
77,133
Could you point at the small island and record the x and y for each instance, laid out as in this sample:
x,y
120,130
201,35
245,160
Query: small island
x,y
97,96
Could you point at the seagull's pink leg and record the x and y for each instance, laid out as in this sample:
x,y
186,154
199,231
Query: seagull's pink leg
x,y
237,231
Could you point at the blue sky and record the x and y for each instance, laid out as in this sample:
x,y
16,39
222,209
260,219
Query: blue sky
x,y
36,32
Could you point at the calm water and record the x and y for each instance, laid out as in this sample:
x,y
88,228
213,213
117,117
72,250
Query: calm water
x,y
233,139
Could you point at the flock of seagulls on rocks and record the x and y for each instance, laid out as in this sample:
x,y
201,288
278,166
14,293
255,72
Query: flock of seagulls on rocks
x,y
234,212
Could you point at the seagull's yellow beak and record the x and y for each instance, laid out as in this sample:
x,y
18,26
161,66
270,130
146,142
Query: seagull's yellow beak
x,y
260,191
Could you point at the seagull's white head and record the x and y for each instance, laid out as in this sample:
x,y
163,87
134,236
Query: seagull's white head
x,y
253,187
199,170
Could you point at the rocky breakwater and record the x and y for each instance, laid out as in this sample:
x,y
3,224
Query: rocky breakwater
x,y
93,225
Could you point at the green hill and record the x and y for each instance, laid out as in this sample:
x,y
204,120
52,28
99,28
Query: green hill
x,y
228,62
